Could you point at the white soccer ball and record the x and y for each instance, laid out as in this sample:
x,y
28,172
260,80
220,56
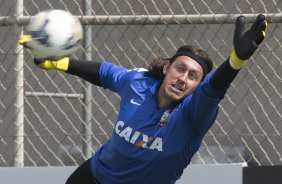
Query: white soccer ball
x,y
55,34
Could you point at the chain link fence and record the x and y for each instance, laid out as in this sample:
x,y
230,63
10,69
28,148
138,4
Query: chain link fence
x,y
54,119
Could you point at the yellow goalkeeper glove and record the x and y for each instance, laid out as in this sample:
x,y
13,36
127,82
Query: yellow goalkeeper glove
x,y
60,65
47,64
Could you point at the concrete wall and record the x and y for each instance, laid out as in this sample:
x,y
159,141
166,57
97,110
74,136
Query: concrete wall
x,y
193,174
213,174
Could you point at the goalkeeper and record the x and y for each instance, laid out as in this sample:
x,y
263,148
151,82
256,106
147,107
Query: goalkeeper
x,y
165,111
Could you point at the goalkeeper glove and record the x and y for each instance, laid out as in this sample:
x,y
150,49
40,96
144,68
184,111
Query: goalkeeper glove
x,y
245,43
47,64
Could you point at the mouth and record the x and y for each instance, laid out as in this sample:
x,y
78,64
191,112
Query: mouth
x,y
177,88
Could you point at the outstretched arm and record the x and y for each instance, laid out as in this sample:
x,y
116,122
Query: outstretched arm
x,y
245,44
87,70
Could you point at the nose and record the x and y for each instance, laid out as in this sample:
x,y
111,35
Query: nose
x,y
183,77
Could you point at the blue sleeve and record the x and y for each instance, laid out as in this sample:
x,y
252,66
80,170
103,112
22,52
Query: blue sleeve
x,y
200,108
112,77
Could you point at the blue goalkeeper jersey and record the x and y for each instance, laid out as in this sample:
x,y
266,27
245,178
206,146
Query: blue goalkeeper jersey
x,y
151,145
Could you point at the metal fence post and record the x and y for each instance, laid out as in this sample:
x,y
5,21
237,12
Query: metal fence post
x,y
19,100
87,143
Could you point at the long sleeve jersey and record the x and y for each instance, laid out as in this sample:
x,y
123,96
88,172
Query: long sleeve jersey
x,y
151,145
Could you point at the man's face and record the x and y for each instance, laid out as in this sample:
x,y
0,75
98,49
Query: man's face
x,y
181,78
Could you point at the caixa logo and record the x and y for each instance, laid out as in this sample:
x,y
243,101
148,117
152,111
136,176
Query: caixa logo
x,y
137,138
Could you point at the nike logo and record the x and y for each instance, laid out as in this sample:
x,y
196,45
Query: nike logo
x,y
133,102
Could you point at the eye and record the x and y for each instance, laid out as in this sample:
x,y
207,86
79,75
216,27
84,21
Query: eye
x,y
193,75
180,68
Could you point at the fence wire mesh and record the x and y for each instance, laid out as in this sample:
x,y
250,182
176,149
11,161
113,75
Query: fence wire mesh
x,y
55,130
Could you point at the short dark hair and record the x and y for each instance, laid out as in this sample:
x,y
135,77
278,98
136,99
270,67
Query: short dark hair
x,y
156,66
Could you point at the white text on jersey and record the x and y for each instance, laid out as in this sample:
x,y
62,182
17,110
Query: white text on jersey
x,y
131,136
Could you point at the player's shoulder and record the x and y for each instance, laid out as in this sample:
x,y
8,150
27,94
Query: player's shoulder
x,y
140,77
136,73
108,65
127,74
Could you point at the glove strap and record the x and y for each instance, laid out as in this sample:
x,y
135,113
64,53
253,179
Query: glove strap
x,y
235,62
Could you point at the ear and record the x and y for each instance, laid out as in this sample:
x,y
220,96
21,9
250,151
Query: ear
x,y
165,68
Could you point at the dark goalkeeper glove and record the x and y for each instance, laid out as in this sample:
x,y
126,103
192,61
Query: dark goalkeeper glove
x,y
246,43
46,64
